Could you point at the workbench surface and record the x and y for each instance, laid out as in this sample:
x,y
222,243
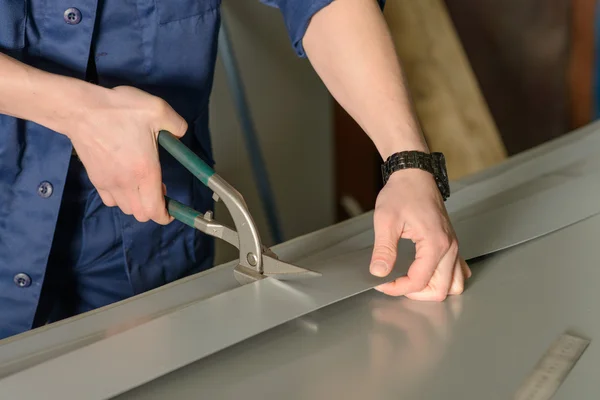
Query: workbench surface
x,y
480,345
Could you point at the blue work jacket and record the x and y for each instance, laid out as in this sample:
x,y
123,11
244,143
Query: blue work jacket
x,y
165,47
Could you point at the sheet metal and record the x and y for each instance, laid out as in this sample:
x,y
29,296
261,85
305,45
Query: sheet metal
x,y
563,157
480,192
480,345
195,331
555,156
35,346
520,220
181,337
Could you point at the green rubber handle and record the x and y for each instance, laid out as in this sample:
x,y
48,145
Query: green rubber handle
x,y
181,212
185,156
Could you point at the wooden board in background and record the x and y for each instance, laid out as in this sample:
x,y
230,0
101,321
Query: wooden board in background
x,y
582,62
448,102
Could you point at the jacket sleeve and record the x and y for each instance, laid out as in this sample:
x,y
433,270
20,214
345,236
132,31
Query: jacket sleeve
x,y
297,15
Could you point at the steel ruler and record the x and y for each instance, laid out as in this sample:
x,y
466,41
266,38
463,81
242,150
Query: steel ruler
x,y
553,368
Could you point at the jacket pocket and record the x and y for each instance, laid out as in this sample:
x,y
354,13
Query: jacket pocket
x,y
13,15
175,10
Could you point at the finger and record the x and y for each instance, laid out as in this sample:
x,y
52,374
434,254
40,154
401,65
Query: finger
x,y
122,201
439,286
385,248
465,267
420,272
173,122
164,187
137,210
107,198
458,279
152,198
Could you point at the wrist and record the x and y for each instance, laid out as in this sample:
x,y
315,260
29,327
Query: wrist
x,y
432,163
407,145
67,103
395,141
81,107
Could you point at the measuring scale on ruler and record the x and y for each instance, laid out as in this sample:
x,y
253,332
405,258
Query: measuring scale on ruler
x,y
551,371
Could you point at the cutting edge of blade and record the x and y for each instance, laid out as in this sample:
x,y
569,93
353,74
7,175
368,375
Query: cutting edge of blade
x,y
281,270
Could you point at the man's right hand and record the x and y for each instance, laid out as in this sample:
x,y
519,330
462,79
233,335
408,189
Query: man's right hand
x,y
116,140
114,132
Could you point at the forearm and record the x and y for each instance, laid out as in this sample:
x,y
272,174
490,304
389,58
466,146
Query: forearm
x,y
50,100
350,47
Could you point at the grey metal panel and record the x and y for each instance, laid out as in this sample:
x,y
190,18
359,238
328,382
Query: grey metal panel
x,y
35,346
480,345
46,343
555,156
579,144
30,348
208,326
521,219
176,339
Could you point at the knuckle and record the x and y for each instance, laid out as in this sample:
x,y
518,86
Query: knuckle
x,y
419,286
184,126
123,182
139,214
107,202
141,217
383,215
101,183
443,241
159,106
155,213
141,170
153,209
124,206
385,248
439,296
160,219
453,247
150,208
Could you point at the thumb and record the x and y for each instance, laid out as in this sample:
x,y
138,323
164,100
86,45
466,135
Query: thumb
x,y
384,251
173,122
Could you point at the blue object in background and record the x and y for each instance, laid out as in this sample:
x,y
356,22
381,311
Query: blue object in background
x,y
595,78
249,133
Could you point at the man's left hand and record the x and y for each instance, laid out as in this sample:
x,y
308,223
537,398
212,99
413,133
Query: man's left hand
x,y
411,207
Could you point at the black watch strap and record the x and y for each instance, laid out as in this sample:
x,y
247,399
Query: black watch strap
x,y
434,163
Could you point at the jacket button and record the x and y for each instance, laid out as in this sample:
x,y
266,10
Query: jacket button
x,y
45,190
72,16
22,280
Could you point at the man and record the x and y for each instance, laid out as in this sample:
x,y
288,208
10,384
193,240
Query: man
x,y
87,85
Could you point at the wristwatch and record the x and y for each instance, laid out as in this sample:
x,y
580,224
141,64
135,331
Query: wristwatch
x,y
434,163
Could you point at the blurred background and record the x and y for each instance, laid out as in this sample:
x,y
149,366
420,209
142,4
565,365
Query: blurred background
x,y
489,79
